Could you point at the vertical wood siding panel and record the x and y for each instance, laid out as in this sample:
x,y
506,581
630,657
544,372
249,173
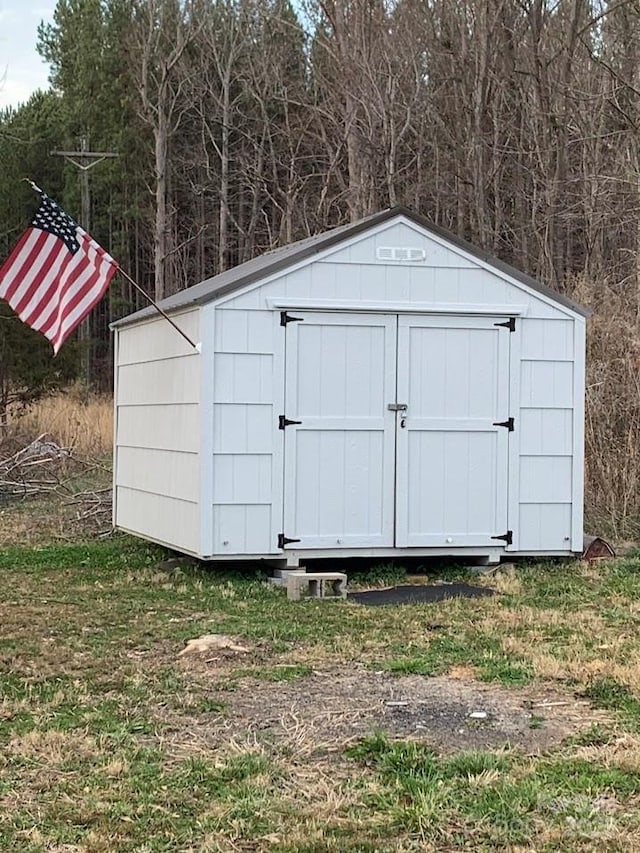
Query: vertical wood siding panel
x,y
231,330
374,282
546,431
242,479
422,284
545,479
545,527
398,283
577,520
246,491
243,428
547,340
243,378
547,384
242,529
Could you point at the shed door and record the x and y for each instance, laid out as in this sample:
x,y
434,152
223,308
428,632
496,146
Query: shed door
x,y
451,481
339,460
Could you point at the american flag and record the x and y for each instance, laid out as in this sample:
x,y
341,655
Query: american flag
x,y
56,274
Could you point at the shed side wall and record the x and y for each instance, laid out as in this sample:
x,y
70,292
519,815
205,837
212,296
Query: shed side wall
x,y
157,433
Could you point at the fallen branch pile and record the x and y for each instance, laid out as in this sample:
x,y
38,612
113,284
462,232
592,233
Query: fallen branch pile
x,y
43,468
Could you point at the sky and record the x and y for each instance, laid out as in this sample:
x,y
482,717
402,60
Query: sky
x,y
21,69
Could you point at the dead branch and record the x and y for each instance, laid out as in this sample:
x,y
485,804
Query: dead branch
x,y
43,468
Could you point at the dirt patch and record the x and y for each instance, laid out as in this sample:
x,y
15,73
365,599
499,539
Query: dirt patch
x,y
328,710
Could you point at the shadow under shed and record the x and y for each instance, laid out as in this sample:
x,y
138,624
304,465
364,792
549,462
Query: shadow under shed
x,y
417,594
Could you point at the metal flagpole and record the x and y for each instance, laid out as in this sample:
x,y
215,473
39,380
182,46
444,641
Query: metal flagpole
x,y
196,347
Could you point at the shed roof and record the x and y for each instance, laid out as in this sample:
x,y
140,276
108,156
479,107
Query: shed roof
x,y
277,260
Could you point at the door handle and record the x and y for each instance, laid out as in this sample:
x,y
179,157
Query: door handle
x,y
397,407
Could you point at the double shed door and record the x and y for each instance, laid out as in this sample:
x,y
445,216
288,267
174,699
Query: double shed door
x,y
393,435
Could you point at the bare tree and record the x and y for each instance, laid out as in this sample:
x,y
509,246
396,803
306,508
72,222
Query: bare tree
x,y
161,34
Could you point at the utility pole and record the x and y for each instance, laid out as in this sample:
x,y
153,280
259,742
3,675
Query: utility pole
x,y
84,160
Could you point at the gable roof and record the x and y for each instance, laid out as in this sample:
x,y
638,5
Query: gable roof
x,y
277,260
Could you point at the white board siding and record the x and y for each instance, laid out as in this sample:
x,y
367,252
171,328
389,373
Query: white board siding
x,y
242,479
545,527
393,283
248,388
158,432
547,434
160,382
546,384
354,272
547,340
545,479
545,352
364,251
243,378
244,331
158,517
174,428
155,339
242,529
161,472
243,428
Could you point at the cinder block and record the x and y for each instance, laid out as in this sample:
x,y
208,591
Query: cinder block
x,y
317,585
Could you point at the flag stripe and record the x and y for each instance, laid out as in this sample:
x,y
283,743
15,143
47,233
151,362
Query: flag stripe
x,y
52,269
56,274
77,269
25,265
75,283
90,300
50,313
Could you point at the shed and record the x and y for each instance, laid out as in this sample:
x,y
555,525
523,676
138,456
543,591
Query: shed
x,y
382,389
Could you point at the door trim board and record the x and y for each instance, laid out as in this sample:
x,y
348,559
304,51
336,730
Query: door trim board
x,y
367,307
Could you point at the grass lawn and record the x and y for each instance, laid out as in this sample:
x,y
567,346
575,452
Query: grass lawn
x,y
338,728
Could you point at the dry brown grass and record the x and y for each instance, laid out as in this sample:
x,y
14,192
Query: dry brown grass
x,y
612,438
73,418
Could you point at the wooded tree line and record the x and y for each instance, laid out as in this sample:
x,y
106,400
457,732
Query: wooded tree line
x,y
245,124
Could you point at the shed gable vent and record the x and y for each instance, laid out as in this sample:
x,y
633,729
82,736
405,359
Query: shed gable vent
x,y
400,253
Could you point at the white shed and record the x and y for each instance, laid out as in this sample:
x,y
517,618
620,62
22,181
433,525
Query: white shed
x,y
383,389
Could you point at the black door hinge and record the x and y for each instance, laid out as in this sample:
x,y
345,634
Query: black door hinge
x,y
509,424
287,318
506,537
508,324
285,422
284,540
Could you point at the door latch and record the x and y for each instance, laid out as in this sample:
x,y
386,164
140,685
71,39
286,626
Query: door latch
x,y
397,407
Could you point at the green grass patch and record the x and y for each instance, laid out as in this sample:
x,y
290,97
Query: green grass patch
x,y
470,648
609,693
495,798
110,741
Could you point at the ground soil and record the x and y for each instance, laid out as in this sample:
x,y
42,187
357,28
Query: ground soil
x,y
326,710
